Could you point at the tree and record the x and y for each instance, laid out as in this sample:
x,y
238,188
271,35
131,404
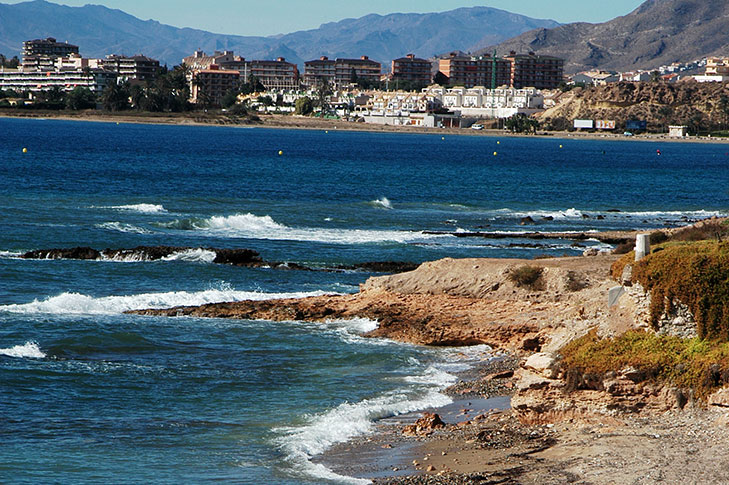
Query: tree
x,y
440,78
230,98
724,109
80,98
116,96
304,106
323,91
265,100
666,114
253,85
521,123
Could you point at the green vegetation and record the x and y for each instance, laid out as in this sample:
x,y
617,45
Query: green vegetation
x,y
304,106
696,273
527,277
695,364
521,123
9,63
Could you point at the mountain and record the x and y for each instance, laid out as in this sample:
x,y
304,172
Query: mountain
x,y
658,32
100,31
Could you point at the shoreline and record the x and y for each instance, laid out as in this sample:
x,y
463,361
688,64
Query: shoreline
x,y
292,122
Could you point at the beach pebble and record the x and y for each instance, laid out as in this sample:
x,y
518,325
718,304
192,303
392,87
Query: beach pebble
x,y
431,468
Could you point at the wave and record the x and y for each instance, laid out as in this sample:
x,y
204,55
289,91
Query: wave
x,y
78,304
193,256
574,213
10,254
30,350
128,228
142,208
264,227
383,203
343,423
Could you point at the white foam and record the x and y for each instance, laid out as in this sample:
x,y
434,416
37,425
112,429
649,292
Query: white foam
x,y
264,227
343,423
30,350
10,254
198,255
75,303
142,208
574,213
383,203
128,228
434,376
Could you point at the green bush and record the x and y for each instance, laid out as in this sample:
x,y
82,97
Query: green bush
x,y
527,277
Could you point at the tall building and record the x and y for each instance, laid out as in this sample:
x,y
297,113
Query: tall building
x,y
41,54
208,86
470,71
277,74
136,68
319,71
225,59
412,69
94,79
341,72
535,71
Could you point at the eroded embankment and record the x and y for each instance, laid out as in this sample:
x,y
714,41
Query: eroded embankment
x,y
455,302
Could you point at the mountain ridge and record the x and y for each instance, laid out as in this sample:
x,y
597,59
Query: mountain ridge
x,y
100,30
657,32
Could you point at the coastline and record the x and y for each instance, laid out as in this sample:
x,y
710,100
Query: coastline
x,y
292,122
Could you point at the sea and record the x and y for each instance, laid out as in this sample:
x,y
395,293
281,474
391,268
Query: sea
x,y
90,394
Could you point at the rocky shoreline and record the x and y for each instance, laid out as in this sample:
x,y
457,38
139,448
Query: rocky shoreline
x,y
620,426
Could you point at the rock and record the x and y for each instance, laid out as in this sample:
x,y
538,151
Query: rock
x,y
424,426
69,253
501,375
529,380
591,252
626,278
430,468
381,267
526,221
547,218
544,364
720,398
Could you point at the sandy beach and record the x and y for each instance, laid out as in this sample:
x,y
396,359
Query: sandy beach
x,y
309,123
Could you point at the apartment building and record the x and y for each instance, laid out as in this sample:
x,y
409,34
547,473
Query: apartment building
x,y
208,86
341,72
470,71
275,74
225,59
135,68
532,70
319,71
17,80
412,69
717,70
40,54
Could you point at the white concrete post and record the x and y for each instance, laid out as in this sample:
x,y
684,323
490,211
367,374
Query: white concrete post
x,y
642,246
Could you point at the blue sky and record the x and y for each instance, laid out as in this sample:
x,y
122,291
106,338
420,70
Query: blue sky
x,y
270,17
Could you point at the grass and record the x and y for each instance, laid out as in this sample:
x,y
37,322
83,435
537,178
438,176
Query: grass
x,y
527,277
696,364
694,273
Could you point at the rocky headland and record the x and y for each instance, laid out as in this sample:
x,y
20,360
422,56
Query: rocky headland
x,y
618,367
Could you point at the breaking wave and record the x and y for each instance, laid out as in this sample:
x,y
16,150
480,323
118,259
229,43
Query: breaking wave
x,y
128,228
30,350
264,227
383,203
76,303
142,208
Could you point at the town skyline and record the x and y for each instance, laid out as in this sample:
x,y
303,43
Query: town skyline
x,y
233,17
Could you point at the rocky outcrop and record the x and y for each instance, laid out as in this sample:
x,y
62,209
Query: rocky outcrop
x,y
545,395
234,257
424,426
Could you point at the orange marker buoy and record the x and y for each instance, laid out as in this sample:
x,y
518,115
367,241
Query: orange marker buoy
x,y
25,150
280,152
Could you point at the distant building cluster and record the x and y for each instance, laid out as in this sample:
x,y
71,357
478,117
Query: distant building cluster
x,y
49,64
712,69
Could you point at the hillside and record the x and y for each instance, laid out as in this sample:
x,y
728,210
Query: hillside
x,y
656,33
698,105
99,31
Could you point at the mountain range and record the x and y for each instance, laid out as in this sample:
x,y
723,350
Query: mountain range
x,y
658,32
100,31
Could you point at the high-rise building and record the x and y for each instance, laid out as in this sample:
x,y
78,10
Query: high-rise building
x,y
41,54
535,71
412,69
470,71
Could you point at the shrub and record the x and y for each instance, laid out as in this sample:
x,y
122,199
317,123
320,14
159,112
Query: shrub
x,y
527,277
696,364
624,248
695,273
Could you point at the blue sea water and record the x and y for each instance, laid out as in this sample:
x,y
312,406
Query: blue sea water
x,y
89,394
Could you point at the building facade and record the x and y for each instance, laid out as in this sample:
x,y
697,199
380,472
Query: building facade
x,y
412,69
135,68
40,54
276,74
470,71
341,72
531,70
17,80
209,86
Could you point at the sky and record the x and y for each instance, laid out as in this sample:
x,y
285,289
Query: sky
x,y
271,17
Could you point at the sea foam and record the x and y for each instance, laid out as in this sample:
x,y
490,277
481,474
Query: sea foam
x,y
128,228
141,208
264,227
383,203
30,350
76,303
